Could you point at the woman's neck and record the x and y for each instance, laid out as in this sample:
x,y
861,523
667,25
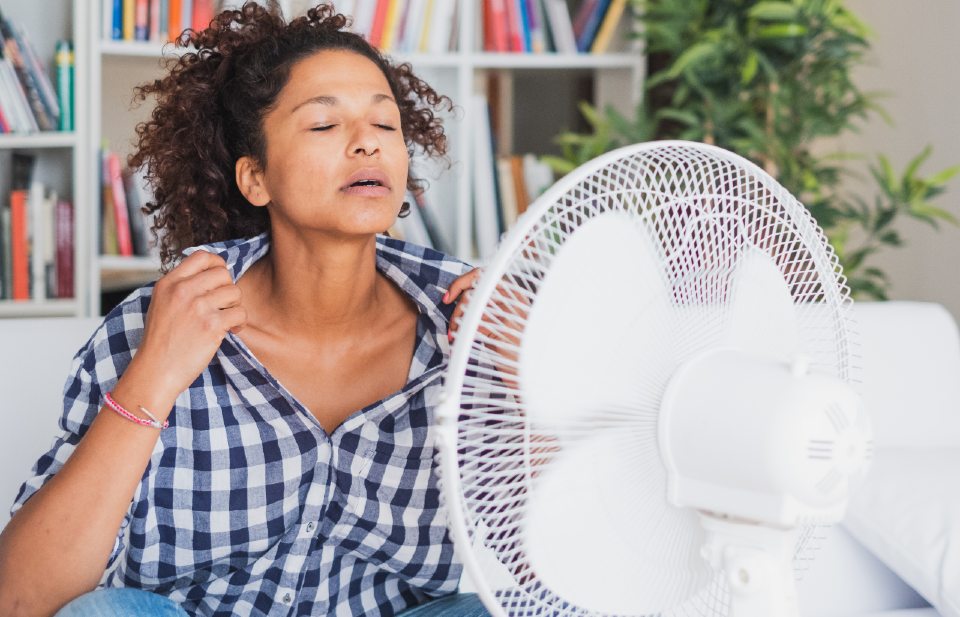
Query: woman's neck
x,y
317,287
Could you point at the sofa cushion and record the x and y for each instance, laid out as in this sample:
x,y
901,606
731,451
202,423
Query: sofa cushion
x,y
911,372
907,513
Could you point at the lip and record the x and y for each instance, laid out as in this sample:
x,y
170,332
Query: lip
x,y
367,173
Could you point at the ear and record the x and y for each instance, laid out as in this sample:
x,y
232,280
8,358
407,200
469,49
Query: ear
x,y
251,182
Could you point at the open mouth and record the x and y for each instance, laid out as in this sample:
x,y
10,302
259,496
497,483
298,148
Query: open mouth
x,y
367,183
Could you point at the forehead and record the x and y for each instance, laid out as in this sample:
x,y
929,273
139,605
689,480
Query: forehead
x,y
336,73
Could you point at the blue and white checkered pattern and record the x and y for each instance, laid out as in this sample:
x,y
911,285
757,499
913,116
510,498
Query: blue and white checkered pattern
x,y
247,506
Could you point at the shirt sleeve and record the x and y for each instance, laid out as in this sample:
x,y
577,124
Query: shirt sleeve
x,y
95,369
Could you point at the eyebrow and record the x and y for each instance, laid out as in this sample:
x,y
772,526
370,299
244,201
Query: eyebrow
x,y
332,100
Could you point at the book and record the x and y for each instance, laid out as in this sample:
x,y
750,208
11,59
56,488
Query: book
x,y
137,196
108,227
561,28
592,25
29,87
121,217
12,98
202,14
141,20
497,21
129,21
377,24
608,26
6,254
507,192
153,33
174,19
36,238
442,26
22,166
391,24
535,19
37,68
20,258
64,64
64,248
514,27
485,208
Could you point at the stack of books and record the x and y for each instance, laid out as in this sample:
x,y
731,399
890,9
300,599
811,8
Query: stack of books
x,y
36,238
124,228
28,100
504,184
391,25
537,26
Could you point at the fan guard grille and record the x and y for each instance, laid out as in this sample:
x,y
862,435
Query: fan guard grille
x,y
705,206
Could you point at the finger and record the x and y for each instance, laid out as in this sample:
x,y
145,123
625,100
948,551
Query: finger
x,y
224,297
458,312
460,285
234,318
195,263
209,279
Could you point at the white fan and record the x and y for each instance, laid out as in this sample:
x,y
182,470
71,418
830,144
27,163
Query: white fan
x,y
648,408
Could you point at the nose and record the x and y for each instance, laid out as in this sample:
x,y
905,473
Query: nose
x,y
365,142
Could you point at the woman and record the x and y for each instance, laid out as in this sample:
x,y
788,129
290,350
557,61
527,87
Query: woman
x,y
293,354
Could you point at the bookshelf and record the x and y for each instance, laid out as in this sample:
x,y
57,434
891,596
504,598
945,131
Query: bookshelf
x,y
112,68
60,156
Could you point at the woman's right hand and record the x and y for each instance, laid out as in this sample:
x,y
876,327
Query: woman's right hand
x,y
192,309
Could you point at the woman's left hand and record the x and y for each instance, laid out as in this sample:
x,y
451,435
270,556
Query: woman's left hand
x,y
463,284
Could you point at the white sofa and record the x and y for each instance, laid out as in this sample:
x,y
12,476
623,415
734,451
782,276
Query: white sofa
x,y
911,383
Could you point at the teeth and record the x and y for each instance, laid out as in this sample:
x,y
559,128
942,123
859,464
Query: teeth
x,y
366,183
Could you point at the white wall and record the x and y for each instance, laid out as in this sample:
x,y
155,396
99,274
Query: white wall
x,y
916,60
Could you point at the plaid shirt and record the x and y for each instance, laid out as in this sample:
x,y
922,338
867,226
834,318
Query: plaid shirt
x,y
247,506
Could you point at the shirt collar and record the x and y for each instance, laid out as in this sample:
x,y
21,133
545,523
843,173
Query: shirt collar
x,y
403,267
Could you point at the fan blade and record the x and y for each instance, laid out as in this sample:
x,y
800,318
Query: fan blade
x,y
599,533
598,335
762,318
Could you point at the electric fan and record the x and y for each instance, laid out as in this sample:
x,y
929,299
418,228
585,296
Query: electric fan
x,y
648,408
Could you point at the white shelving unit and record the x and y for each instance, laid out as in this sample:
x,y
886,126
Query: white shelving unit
x,y
61,156
106,72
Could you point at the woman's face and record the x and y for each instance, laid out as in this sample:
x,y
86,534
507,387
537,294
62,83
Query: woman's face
x,y
336,160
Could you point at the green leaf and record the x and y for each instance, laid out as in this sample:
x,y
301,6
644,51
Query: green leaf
x,y
916,162
750,66
774,11
781,31
942,177
691,57
928,211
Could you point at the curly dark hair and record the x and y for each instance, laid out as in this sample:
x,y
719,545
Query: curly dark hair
x,y
210,108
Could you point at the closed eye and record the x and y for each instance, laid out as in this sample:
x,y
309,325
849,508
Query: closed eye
x,y
386,127
326,127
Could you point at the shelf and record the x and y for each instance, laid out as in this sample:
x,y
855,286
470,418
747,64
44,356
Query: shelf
x,y
140,49
554,60
43,308
124,272
451,60
48,139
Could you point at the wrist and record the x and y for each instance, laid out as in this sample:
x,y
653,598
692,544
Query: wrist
x,y
141,387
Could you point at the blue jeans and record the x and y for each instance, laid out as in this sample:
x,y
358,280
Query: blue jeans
x,y
126,602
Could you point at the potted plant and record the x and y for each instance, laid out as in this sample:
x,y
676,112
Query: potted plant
x,y
771,81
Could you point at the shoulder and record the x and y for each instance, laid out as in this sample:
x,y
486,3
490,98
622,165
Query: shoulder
x,y
118,335
426,266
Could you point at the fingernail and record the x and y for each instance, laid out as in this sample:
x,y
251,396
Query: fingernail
x,y
450,337
446,298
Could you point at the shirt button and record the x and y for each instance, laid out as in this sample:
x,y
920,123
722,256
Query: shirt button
x,y
287,598
310,527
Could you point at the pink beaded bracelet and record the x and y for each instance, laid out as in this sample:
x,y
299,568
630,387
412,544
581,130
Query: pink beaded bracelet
x,y
152,422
